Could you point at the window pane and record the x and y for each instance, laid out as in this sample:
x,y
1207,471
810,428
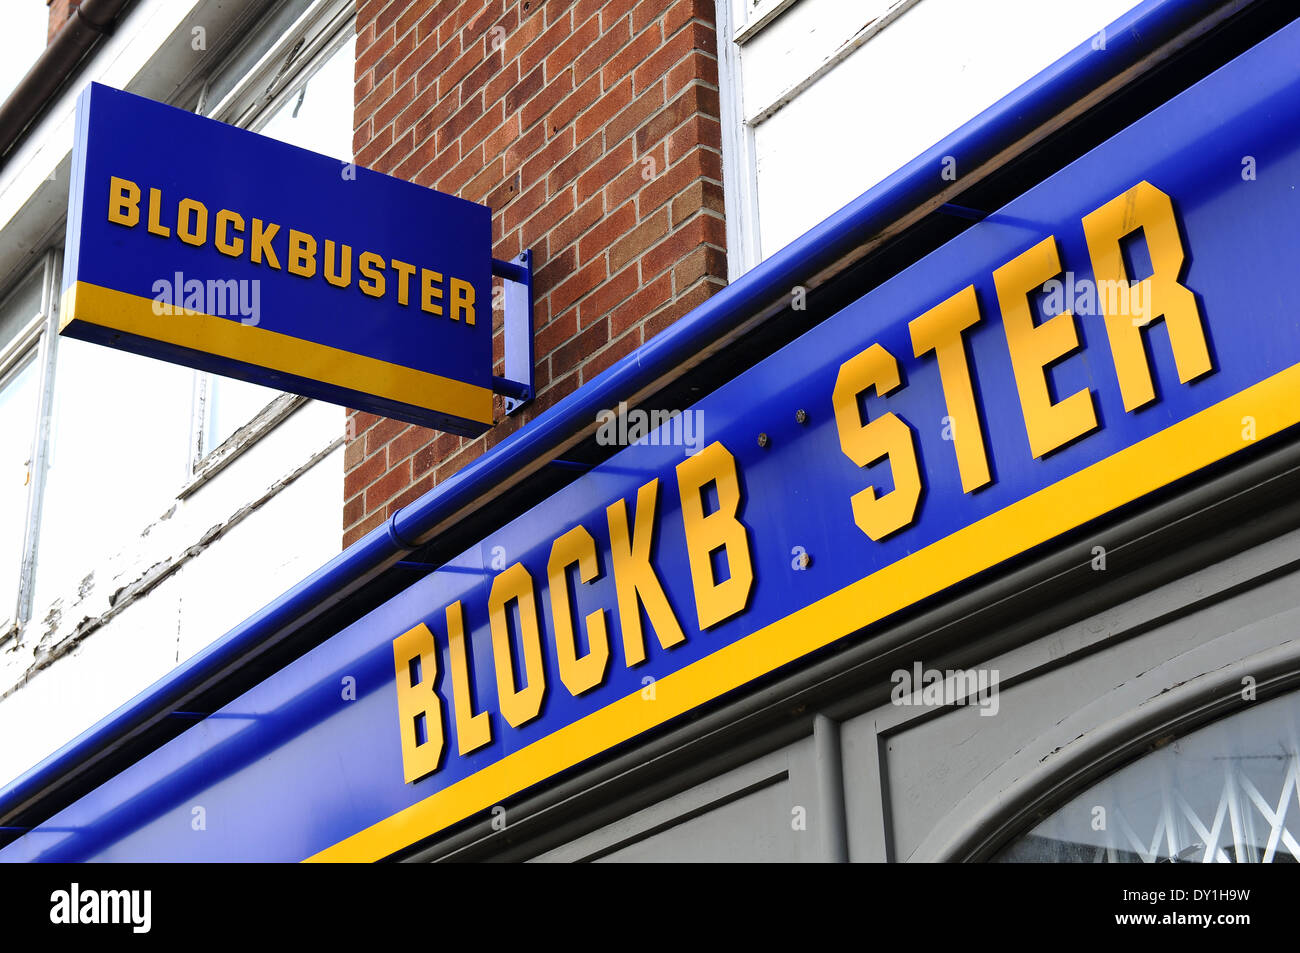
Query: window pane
x,y
261,39
230,405
118,453
951,57
17,427
319,118
26,22
1226,793
23,304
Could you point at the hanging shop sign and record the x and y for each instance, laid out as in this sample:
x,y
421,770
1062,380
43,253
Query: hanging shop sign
x,y
1117,328
211,246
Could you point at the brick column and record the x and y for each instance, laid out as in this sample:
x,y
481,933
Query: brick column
x,y
591,128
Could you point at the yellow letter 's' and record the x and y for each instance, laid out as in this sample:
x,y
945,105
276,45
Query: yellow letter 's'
x,y
886,436
371,267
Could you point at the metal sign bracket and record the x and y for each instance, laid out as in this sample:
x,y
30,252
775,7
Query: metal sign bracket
x,y
517,383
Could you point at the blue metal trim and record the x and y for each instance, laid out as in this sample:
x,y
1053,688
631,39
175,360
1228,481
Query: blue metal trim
x,y
1072,78
512,389
518,383
961,211
399,542
518,272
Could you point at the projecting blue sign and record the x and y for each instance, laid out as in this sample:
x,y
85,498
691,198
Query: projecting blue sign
x,y
207,245
1118,327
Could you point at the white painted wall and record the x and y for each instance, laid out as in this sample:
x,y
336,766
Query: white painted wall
x,y
277,543
134,576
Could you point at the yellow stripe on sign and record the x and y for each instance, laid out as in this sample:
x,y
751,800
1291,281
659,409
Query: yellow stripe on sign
x,y
1183,448
249,344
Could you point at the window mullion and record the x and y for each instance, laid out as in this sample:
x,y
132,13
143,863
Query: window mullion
x,y
46,355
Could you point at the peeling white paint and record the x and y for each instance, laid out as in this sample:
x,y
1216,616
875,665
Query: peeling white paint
x,y
210,560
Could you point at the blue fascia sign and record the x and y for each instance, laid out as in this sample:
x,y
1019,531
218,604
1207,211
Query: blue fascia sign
x,y
1117,328
232,252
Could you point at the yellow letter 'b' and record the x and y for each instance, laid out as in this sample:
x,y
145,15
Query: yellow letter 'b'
x,y
419,709
715,601
123,201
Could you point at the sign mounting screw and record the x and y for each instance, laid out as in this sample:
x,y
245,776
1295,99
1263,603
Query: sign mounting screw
x,y
801,416
762,440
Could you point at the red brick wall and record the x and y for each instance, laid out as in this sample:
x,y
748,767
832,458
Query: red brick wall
x,y
591,129
60,11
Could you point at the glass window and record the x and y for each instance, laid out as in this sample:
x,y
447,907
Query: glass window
x,y
789,68
119,438
259,42
318,116
26,25
20,308
228,405
1227,793
98,441
18,394
21,328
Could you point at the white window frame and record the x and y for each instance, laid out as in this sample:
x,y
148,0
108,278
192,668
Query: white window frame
x,y
739,172
738,22
755,15
274,79
278,74
37,341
